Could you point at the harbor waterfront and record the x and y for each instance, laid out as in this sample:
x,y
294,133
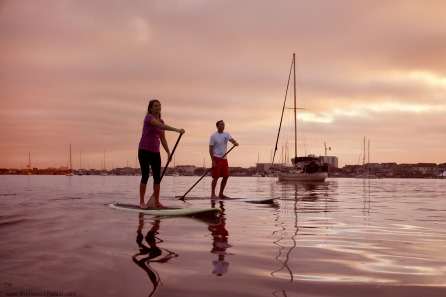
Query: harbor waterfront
x,y
380,170
341,237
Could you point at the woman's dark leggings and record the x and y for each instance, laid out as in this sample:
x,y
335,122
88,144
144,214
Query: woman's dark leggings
x,y
147,160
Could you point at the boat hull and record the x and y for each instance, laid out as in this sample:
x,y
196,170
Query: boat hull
x,y
301,176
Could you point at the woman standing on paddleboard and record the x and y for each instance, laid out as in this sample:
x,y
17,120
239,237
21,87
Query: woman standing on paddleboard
x,y
149,151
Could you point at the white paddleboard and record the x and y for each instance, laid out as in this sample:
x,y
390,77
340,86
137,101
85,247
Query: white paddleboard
x,y
167,211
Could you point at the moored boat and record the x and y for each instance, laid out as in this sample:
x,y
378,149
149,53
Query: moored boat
x,y
309,168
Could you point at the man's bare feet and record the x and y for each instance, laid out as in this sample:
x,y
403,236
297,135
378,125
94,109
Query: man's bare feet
x,y
143,205
159,205
223,196
214,196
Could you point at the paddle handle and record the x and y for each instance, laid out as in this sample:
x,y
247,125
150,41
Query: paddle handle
x,y
182,197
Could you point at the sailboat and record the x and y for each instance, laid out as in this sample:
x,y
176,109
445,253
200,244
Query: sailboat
x,y
29,164
365,172
70,172
305,168
104,172
175,173
257,174
80,164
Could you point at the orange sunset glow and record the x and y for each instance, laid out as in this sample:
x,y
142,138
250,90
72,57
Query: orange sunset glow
x,y
83,72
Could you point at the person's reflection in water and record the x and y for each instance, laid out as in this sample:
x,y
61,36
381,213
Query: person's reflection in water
x,y
220,243
150,253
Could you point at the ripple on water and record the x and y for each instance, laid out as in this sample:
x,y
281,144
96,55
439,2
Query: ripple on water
x,y
344,233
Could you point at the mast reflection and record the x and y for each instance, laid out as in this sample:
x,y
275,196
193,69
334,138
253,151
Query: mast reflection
x,y
297,198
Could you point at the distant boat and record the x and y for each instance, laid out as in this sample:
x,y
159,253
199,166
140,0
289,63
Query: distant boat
x,y
257,174
70,172
104,172
309,168
80,164
29,164
366,172
175,173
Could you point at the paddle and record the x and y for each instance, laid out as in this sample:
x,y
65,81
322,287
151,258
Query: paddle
x,y
171,154
167,164
182,197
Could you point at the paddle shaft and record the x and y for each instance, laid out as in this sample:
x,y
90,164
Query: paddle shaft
x,y
182,197
171,154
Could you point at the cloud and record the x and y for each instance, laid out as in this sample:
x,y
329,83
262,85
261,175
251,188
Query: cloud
x,y
83,72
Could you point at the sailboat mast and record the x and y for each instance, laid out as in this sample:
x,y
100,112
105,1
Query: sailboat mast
x,y
283,110
295,108
368,151
368,156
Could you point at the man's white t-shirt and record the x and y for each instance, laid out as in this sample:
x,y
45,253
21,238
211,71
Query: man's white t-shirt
x,y
220,143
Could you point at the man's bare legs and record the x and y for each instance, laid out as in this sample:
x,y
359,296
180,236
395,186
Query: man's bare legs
x,y
213,186
222,187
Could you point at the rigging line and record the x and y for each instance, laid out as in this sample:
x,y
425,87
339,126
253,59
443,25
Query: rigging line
x,y
283,109
309,138
361,153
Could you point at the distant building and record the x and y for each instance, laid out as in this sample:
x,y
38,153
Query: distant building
x,y
425,168
331,160
185,169
442,170
262,167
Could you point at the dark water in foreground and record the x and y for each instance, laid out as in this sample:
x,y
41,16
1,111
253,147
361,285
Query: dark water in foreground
x,y
344,237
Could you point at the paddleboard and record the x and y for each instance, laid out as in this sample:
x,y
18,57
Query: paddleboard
x,y
171,211
248,200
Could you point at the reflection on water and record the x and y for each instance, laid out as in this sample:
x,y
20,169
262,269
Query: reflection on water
x,y
366,200
382,237
286,245
151,253
358,233
297,197
220,242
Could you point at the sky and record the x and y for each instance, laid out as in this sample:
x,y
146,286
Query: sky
x,y
81,73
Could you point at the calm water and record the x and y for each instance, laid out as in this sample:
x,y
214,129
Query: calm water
x,y
344,237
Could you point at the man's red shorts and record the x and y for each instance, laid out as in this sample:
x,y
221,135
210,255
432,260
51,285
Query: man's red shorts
x,y
221,169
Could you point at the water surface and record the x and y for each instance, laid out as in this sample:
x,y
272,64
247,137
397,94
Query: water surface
x,y
342,237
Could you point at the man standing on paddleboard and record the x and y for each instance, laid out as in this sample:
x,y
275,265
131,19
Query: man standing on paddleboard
x,y
218,145
149,150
